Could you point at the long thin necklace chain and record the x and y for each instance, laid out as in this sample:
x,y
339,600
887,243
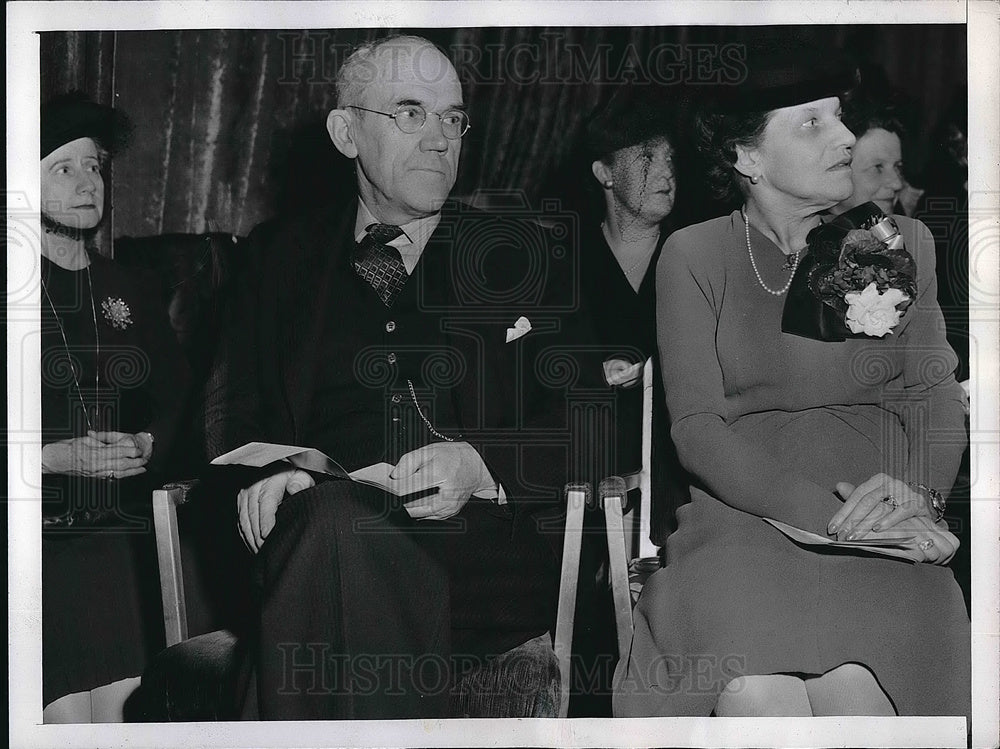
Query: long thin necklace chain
x,y
69,356
753,263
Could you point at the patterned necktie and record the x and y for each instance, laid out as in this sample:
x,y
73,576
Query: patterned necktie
x,y
380,264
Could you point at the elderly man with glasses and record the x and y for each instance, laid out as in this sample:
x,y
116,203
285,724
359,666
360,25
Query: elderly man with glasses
x,y
391,330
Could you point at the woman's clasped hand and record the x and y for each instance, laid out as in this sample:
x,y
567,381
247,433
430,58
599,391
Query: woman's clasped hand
x,y
884,507
104,455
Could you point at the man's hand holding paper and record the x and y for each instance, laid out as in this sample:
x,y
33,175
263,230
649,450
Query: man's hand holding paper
x,y
456,468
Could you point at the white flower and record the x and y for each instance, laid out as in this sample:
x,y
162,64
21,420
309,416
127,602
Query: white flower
x,y
873,313
117,312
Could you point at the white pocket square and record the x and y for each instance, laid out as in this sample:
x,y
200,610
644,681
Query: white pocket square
x,y
521,327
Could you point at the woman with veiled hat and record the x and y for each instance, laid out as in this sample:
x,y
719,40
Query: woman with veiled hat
x,y
631,147
628,170
112,378
808,382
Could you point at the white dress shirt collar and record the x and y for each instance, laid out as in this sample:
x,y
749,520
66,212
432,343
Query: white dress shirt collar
x,y
410,243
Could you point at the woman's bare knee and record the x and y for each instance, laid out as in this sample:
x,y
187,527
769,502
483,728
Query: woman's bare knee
x,y
849,689
764,695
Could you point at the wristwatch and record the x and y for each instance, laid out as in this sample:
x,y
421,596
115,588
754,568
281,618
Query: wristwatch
x,y
936,499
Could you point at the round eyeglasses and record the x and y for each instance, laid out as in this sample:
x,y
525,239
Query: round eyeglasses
x,y
411,117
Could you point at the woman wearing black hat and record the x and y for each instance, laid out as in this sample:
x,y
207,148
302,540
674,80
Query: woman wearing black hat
x,y
627,174
827,429
112,380
630,153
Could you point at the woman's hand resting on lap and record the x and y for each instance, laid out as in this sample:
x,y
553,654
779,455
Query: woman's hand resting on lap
x,y
865,516
865,506
141,440
91,457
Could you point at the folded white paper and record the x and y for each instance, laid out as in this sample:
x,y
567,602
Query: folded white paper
x,y
260,454
890,547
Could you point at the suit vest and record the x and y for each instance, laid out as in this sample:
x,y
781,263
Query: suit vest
x,y
376,366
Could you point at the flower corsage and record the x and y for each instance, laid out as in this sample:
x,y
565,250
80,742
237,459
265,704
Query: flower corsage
x,y
117,312
857,279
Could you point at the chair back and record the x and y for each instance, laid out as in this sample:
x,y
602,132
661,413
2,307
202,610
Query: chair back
x,y
195,274
638,525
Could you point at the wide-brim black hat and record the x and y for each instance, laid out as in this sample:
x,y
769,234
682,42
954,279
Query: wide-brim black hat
x,y
72,116
786,72
633,115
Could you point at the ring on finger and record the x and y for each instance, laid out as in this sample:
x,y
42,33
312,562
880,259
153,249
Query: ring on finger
x,y
891,501
111,475
925,544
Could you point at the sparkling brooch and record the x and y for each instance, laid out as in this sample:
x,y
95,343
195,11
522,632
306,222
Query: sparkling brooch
x,y
117,312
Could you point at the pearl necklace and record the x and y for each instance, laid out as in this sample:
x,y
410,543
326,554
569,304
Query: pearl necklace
x,y
753,263
642,258
69,356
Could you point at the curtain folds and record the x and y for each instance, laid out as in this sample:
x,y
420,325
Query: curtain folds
x,y
229,124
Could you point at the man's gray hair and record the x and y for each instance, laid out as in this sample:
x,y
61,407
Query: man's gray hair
x,y
359,69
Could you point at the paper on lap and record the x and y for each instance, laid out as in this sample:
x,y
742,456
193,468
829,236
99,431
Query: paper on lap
x,y
891,547
377,474
260,454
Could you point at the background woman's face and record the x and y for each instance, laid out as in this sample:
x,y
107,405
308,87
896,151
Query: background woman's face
x,y
644,182
876,170
72,186
804,154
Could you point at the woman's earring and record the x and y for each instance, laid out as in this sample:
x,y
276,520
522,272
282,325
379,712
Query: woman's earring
x,y
754,179
609,183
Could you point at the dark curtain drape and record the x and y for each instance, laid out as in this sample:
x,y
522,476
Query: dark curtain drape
x,y
229,125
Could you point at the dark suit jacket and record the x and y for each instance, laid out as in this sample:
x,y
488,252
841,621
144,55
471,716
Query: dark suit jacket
x,y
302,303
478,273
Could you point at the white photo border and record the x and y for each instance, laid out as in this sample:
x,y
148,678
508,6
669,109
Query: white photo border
x,y
24,19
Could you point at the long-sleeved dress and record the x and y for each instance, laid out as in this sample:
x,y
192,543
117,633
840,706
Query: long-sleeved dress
x,y
768,423
619,322
101,614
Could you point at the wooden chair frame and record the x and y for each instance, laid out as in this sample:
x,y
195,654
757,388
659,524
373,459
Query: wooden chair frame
x,y
168,554
624,550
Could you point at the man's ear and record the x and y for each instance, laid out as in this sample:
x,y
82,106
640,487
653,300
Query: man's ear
x,y
748,163
339,124
601,171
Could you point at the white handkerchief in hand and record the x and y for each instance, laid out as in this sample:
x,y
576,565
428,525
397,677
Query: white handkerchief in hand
x,y
620,372
521,327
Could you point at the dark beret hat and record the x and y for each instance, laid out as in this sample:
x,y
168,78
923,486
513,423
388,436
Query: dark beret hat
x,y
71,116
633,115
786,72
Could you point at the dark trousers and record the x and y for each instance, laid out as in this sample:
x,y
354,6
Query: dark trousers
x,y
354,617
366,613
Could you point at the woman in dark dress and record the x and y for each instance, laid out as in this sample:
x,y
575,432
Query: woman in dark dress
x,y
631,151
944,208
112,379
830,436
628,171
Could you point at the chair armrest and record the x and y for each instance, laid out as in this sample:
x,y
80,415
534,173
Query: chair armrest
x,y
180,491
613,492
168,556
577,499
